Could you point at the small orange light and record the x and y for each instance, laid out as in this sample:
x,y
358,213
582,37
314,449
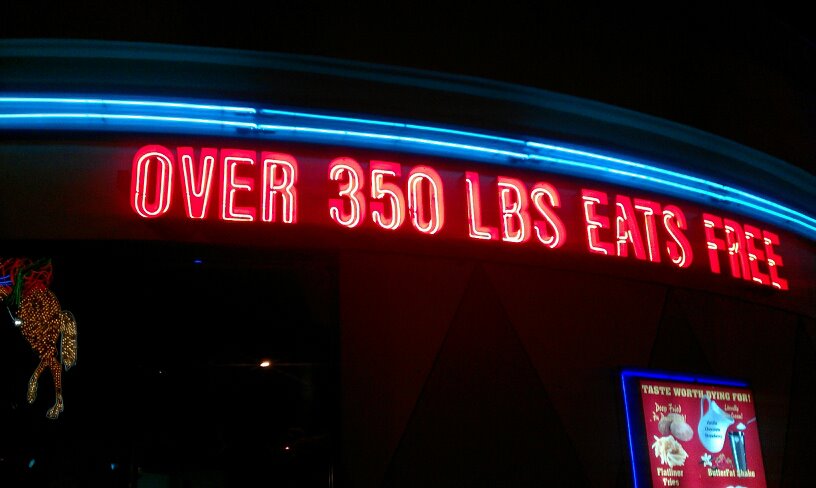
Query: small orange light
x,y
266,363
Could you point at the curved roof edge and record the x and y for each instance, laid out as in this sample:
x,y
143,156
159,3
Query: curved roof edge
x,y
672,143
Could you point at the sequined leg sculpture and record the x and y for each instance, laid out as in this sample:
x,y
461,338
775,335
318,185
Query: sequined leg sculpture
x,y
43,324
24,291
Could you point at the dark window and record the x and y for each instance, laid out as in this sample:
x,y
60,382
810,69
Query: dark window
x,y
169,389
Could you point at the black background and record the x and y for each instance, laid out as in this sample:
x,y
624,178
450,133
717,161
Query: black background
x,y
742,70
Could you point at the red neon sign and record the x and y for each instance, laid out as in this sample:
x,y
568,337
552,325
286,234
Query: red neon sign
x,y
427,210
279,179
551,233
152,164
390,194
382,195
347,169
197,180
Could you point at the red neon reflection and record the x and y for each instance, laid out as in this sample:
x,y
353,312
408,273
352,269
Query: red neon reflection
x,y
428,220
475,228
231,161
279,178
152,163
351,189
556,238
197,180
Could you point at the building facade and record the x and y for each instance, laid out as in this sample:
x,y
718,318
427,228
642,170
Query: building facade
x,y
321,273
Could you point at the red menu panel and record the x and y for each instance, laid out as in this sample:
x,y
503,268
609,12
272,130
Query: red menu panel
x,y
701,435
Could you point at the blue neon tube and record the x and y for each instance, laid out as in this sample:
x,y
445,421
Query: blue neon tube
x,y
160,116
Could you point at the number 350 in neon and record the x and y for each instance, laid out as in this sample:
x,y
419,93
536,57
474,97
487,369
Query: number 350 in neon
x,y
387,202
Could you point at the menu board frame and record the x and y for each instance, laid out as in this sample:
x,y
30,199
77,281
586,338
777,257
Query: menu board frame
x,y
640,452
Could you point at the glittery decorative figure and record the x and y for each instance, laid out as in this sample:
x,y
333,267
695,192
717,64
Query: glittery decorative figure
x,y
36,310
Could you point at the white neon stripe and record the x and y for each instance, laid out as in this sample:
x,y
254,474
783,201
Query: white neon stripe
x,y
135,103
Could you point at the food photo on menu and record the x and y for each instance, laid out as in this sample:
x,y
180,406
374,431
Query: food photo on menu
x,y
701,435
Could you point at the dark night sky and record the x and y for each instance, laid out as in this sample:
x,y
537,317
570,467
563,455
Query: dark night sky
x,y
745,71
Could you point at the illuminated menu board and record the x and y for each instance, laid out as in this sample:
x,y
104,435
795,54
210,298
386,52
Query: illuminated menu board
x,y
694,433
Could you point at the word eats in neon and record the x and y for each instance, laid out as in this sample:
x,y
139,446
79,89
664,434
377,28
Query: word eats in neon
x,y
627,232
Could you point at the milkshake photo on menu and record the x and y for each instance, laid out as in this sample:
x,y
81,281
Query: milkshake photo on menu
x,y
695,433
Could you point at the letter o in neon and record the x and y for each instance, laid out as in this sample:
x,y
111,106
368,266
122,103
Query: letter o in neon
x,y
435,219
151,176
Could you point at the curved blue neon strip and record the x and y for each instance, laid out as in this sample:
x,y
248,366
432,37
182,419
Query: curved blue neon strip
x,y
133,103
680,186
118,114
453,145
391,124
153,118
672,173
